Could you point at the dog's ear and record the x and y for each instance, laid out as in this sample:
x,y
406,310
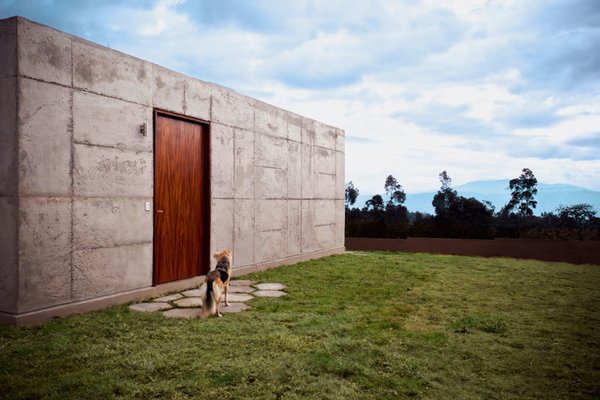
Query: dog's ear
x,y
216,255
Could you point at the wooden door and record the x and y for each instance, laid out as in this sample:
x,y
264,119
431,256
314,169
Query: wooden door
x,y
181,201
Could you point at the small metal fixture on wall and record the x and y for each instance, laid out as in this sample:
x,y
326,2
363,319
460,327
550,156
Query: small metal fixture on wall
x,y
143,129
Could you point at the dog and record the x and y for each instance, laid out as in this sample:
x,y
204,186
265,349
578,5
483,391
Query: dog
x,y
215,284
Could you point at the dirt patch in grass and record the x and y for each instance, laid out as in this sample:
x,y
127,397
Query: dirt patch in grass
x,y
379,325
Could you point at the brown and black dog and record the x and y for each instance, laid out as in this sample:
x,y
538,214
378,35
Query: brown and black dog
x,y
215,283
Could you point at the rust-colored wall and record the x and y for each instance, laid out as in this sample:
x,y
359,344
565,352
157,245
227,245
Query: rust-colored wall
x,y
577,252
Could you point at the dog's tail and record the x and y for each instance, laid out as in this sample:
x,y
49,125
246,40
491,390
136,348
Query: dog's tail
x,y
210,293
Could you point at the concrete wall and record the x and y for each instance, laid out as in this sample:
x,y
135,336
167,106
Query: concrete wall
x,y
75,172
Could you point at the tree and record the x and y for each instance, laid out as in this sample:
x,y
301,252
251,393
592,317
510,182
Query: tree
x,y
524,189
577,218
457,216
394,191
578,215
352,193
489,205
444,198
445,179
375,203
471,218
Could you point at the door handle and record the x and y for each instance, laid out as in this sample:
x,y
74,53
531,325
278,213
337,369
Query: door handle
x,y
160,211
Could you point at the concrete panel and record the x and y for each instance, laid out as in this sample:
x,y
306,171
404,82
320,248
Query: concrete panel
x,y
244,179
44,283
104,271
308,171
324,213
309,242
308,131
325,236
9,177
231,108
107,172
324,160
105,121
104,222
294,231
294,127
340,175
45,139
271,215
9,209
325,135
325,186
270,120
294,168
221,225
270,151
111,73
340,222
44,252
221,150
44,53
168,89
340,141
197,98
243,250
45,228
8,47
271,183
270,245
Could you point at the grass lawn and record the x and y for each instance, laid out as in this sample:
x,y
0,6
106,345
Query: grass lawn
x,y
355,326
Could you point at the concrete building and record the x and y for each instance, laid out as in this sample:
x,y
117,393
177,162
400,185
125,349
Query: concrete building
x,y
119,178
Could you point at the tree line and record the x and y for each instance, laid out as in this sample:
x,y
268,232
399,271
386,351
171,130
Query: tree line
x,y
460,217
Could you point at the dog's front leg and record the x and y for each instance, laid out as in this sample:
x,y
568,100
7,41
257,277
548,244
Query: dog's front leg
x,y
226,290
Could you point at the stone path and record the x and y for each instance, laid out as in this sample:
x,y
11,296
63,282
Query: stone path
x,y
187,303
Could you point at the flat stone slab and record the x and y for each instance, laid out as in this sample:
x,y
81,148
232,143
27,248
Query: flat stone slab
x,y
269,293
182,313
270,286
189,302
236,297
241,289
191,293
241,282
150,307
234,308
171,297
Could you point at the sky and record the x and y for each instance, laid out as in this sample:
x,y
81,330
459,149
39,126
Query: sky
x,y
481,89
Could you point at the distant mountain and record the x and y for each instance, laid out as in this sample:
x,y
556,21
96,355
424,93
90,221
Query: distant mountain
x,y
549,196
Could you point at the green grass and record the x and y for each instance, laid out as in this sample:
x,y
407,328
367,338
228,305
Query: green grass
x,y
355,326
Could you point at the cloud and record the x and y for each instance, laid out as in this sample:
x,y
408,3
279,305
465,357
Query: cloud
x,y
327,60
479,88
565,15
550,152
449,119
559,44
359,139
162,18
592,141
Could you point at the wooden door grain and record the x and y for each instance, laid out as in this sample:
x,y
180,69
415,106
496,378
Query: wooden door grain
x,y
180,198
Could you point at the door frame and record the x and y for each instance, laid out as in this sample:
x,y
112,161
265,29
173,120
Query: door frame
x,y
207,174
